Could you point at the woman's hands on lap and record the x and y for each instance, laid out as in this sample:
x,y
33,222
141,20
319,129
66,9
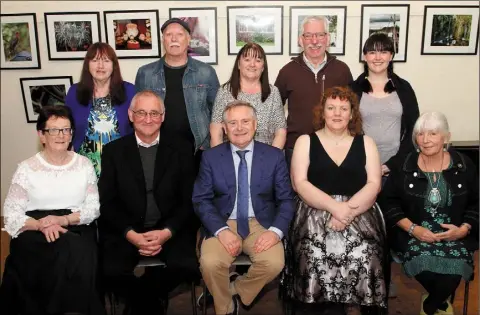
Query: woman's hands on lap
x,y
344,212
453,232
52,232
425,235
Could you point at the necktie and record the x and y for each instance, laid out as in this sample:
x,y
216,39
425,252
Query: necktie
x,y
242,196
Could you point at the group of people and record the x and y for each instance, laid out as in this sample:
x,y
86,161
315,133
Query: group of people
x,y
195,173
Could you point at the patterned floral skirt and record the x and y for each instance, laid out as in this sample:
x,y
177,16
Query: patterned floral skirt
x,y
323,265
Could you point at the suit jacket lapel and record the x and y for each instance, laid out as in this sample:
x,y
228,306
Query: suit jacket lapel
x,y
257,169
228,169
132,155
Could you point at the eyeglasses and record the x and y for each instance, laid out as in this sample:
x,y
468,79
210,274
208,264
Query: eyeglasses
x,y
56,131
143,114
311,35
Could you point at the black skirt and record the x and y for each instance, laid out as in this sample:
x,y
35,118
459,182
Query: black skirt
x,y
52,278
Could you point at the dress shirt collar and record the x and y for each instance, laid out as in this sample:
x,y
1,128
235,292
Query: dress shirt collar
x,y
147,145
311,66
249,147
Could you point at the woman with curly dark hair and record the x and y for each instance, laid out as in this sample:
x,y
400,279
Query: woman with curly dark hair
x,y
335,251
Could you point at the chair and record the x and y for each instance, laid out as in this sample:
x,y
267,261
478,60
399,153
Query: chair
x,y
465,295
241,260
148,262
397,260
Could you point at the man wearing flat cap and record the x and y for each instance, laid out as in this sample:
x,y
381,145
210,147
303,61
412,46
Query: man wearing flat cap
x,y
187,86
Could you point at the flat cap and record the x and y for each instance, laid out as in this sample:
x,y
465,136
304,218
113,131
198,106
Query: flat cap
x,y
178,21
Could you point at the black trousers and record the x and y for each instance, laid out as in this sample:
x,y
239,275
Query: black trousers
x,y
439,288
51,278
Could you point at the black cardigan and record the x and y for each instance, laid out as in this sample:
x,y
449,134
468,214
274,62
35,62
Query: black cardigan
x,y
410,112
403,196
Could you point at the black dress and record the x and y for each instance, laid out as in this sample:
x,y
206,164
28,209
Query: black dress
x,y
323,265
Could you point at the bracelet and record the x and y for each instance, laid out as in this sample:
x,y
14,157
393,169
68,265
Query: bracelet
x,y
468,226
410,230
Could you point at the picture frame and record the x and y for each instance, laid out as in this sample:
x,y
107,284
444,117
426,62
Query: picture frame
x,y
133,34
19,42
70,34
391,19
42,91
450,30
336,16
203,25
260,24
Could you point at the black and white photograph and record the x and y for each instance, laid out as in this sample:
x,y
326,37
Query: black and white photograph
x,y
43,91
70,34
450,30
261,25
19,42
389,19
203,25
336,17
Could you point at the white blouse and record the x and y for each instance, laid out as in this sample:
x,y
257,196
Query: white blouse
x,y
38,185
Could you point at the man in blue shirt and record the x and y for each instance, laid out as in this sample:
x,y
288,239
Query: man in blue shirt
x,y
244,199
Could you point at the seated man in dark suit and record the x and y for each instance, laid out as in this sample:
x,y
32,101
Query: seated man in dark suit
x,y
146,210
244,200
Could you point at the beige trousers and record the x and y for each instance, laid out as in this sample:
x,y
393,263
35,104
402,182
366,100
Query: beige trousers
x,y
215,262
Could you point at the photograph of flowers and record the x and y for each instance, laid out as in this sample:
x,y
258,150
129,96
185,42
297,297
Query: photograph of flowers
x,y
70,34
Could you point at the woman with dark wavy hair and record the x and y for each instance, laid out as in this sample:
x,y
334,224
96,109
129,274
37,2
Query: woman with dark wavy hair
x,y
335,250
249,83
99,103
387,102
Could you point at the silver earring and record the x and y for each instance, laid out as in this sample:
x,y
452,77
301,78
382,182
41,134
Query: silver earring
x,y
418,150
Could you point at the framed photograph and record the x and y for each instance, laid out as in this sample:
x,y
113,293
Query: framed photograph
x,y
70,34
19,44
133,33
203,24
43,91
450,30
261,25
391,19
337,22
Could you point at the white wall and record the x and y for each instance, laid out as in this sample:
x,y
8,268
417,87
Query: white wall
x,y
446,83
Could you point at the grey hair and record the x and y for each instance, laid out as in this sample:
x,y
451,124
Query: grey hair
x,y
146,93
311,18
236,104
430,121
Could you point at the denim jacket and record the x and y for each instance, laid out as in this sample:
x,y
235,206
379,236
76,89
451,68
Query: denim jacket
x,y
200,85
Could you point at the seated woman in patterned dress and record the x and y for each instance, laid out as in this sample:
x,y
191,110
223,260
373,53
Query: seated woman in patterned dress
x,y
249,83
49,208
430,204
335,250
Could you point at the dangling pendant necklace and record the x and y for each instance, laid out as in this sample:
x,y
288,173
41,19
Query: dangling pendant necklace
x,y
434,196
